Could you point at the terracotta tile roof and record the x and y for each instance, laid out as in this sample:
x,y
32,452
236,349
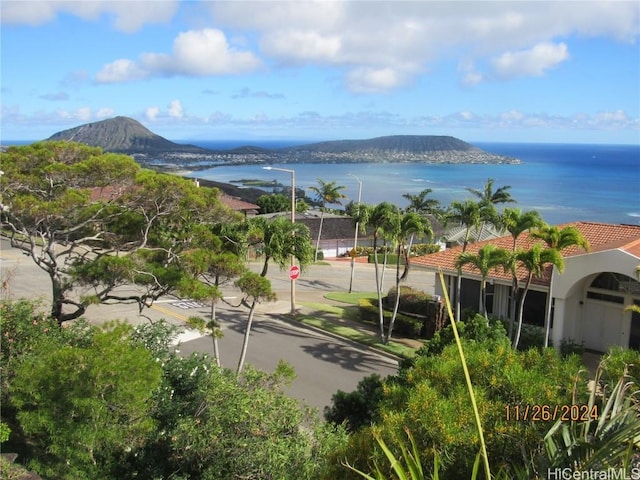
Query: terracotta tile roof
x,y
601,236
237,205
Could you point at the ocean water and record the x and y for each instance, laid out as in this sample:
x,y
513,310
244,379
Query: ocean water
x,y
563,182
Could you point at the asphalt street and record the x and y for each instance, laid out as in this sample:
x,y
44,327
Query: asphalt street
x,y
323,363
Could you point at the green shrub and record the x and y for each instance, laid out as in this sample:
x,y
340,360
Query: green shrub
x,y
411,300
473,328
432,400
391,258
531,336
571,347
616,360
358,408
424,249
405,325
320,255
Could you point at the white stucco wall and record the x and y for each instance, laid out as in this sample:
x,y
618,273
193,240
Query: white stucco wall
x,y
569,289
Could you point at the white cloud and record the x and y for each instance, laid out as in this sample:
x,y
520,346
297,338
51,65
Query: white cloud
x,y
152,113
369,80
406,37
128,16
105,112
532,62
195,53
175,109
121,70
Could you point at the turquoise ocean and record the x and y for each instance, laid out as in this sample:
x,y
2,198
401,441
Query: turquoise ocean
x,y
563,182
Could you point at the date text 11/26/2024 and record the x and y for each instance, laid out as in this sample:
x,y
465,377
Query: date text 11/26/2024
x,y
545,413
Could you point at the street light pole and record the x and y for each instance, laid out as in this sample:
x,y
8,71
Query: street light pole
x,y
355,240
293,220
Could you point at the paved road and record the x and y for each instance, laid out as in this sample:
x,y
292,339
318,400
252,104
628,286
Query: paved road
x,y
323,363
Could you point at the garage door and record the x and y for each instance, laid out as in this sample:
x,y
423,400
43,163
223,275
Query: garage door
x,y
602,325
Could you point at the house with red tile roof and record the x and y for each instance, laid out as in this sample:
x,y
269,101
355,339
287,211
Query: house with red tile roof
x,y
584,304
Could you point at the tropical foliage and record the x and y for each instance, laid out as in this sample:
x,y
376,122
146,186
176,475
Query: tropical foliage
x,y
95,219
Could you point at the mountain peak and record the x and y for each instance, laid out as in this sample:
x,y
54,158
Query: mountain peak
x,y
121,134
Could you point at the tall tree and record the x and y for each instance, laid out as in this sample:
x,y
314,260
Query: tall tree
x,y
534,261
558,239
256,289
489,257
488,199
278,240
410,224
467,214
98,220
210,268
421,204
326,193
516,223
383,220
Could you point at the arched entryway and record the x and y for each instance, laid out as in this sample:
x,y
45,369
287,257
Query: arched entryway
x,y
606,320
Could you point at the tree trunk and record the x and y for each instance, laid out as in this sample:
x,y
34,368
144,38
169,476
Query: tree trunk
x,y
378,292
458,289
483,298
245,342
315,257
516,340
547,317
397,302
214,334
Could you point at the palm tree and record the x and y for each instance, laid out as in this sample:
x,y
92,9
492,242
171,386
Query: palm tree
x,y
421,204
534,260
558,239
410,224
489,257
326,192
465,213
488,199
383,219
516,222
278,240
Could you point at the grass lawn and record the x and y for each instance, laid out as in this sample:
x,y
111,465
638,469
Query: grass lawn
x,y
350,312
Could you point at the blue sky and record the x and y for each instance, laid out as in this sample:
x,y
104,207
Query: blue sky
x,y
271,70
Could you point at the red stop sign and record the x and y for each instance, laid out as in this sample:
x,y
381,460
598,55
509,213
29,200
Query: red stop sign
x,y
294,272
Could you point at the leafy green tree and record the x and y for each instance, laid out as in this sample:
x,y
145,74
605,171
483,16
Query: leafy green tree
x,y
421,204
256,289
516,223
273,202
95,219
359,408
278,240
82,403
210,268
410,224
489,257
383,220
534,261
326,192
488,199
558,239
468,214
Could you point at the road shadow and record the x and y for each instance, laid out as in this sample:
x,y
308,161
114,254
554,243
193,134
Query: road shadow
x,y
345,356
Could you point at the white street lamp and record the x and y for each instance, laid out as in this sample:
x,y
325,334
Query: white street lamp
x,y
293,220
355,240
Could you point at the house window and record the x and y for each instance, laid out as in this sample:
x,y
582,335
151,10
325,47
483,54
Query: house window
x,y
616,282
605,297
